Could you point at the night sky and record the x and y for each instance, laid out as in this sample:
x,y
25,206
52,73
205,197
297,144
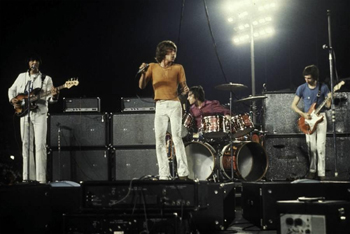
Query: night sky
x,y
104,42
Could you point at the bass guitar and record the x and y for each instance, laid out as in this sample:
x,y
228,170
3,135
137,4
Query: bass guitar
x,y
309,126
36,94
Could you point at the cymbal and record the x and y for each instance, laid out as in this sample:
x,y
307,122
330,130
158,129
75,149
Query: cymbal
x,y
230,86
251,98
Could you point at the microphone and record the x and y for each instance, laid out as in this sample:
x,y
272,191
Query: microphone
x,y
264,87
326,47
32,67
144,68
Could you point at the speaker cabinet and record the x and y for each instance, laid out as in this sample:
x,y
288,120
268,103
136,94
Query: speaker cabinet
x,y
342,113
134,129
78,130
135,163
80,165
289,159
279,118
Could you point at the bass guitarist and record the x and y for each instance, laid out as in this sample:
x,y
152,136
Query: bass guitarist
x,y
313,91
35,82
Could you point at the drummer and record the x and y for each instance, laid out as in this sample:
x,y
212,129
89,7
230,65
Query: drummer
x,y
201,107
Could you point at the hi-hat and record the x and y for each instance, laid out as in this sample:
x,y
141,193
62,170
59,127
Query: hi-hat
x,y
251,98
230,86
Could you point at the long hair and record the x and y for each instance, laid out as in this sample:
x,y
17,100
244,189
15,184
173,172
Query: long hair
x,y
198,92
162,49
311,70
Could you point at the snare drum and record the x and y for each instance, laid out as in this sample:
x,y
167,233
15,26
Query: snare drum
x,y
215,126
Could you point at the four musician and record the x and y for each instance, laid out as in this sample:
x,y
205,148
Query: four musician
x,y
201,107
313,91
33,129
166,77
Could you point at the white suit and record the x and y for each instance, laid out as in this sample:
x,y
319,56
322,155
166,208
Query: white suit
x,y
37,126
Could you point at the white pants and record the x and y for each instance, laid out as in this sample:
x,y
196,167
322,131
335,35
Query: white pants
x,y
165,110
316,143
38,131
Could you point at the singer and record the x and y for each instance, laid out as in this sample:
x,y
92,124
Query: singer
x,y
166,77
37,121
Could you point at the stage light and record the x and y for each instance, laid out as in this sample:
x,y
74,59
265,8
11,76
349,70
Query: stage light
x,y
12,157
251,17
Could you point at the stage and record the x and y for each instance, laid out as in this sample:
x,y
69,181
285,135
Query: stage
x,y
149,206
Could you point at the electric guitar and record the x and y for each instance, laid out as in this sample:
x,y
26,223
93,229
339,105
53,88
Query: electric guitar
x,y
35,95
308,126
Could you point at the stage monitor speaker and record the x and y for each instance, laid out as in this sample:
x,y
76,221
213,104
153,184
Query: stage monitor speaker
x,y
289,159
133,129
219,210
314,215
78,130
259,198
25,208
135,163
80,165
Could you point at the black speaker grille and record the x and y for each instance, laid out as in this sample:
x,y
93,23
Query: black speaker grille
x,y
78,130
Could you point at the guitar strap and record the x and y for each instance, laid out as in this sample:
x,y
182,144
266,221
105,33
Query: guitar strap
x,y
319,91
43,76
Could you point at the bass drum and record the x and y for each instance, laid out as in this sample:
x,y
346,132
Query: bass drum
x,y
250,161
200,160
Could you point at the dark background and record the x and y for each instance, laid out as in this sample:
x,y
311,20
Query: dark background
x,y
104,42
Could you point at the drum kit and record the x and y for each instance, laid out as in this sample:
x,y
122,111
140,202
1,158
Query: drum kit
x,y
227,148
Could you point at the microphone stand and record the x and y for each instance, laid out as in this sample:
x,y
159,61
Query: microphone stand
x,y
330,51
28,131
231,140
59,150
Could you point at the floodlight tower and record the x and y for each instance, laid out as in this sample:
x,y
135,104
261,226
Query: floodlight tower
x,y
251,14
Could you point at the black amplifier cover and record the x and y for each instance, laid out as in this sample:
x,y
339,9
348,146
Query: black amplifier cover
x,y
82,104
137,104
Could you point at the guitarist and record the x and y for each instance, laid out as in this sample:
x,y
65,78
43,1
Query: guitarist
x,y
313,91
38,117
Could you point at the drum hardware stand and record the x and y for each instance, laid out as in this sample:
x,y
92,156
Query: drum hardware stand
x,y
29,88
171,155
233,171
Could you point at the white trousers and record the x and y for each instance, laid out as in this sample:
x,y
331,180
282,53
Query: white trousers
x,y
316,143
37,132
165,110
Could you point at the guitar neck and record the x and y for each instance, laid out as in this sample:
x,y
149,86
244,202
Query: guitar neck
x,y
44,94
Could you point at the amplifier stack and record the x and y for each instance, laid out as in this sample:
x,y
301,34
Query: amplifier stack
x,y
86,145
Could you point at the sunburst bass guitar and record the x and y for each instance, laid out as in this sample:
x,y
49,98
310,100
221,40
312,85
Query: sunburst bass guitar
x,y
309,126
36,94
